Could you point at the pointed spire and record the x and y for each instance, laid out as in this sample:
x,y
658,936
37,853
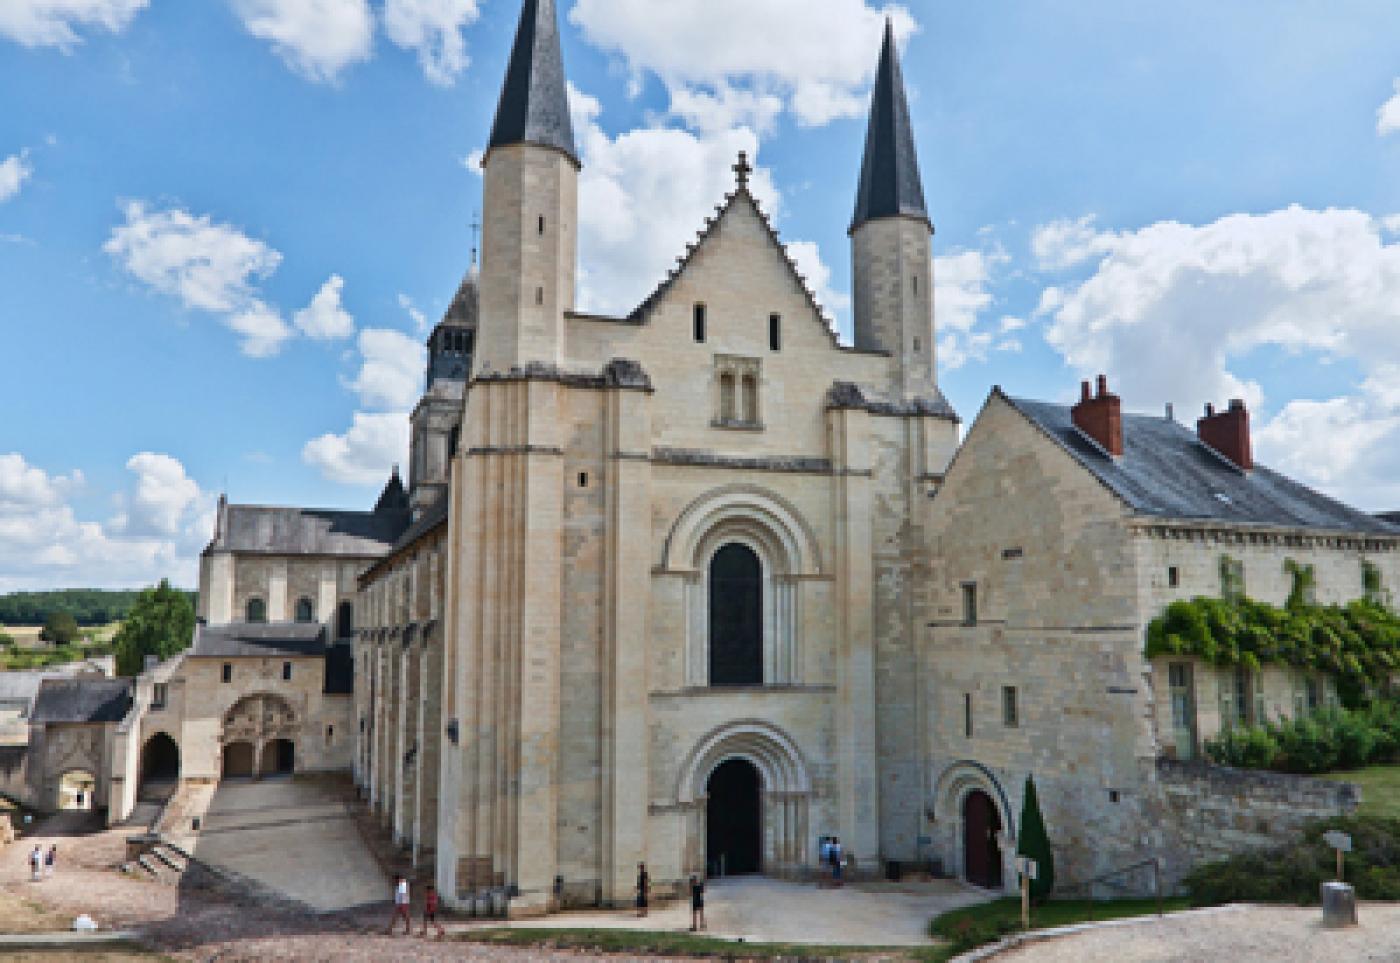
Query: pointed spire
x,y
534,105
889,175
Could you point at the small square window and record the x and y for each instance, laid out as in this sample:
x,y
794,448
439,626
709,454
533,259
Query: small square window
x,y
1010,712
698,323
969,602
1173,576
228,672
286,671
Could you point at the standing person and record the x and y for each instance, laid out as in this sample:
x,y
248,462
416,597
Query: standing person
x,y
430,911
836,857
401,904
825,856
50,858
36,863
643,886
697,904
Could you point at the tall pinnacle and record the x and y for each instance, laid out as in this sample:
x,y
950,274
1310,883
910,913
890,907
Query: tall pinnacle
x,y
889,175
534,106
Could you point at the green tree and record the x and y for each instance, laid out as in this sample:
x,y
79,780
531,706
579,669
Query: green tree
x,y
6,639
161,623
59,627
1035,843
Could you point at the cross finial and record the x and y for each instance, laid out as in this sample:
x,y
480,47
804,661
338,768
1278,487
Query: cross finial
x,y
742,170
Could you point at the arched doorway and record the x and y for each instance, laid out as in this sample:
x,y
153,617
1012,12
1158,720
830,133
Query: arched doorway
x,y
76,789
981,851
279,757
238,760
733,819
160,764
736,616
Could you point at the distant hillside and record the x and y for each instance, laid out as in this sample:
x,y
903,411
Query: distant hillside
x,y
87,606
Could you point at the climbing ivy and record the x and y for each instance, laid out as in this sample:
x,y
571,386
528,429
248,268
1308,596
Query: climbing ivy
x,y
1358,643
1303,591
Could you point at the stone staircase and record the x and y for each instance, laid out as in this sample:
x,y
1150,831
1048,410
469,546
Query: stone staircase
x,y
163,862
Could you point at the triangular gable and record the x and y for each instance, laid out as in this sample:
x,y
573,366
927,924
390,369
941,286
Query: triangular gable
x,y
641,313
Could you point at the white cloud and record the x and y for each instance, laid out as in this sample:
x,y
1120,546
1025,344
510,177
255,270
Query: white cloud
x,y
365,453
165,520
1169,309
740,54
434,29
474,160
316,38
54,23
808,258
262,328
391,370
14,171
962,294
726,107
420,320
1065,244
1388,116
325,317
642,197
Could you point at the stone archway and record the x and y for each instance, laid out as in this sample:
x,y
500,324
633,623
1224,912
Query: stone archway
x,y
160,766
975,827
734,819
981,825
237,760
265,722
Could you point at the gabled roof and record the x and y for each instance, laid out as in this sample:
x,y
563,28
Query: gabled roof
x,y
890,185
640,312
1166,471
305,531
82,700
534,105
265,639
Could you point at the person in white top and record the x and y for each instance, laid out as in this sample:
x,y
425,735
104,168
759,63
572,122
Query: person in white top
x,y
36,864
401,906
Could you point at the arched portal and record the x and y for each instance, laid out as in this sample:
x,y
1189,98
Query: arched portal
x,y
279,757
734,819
981,848
160,764
736,616
76,789
238,760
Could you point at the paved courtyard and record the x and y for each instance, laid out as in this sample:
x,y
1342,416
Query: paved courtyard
x,y
296,837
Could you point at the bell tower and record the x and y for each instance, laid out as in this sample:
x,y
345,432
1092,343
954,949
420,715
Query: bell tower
x,y
436,423
890,241
530,191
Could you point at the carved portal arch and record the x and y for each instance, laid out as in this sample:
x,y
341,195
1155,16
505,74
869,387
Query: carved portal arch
x,y
259,717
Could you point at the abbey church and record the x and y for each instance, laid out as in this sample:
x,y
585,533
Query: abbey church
x,y
701,585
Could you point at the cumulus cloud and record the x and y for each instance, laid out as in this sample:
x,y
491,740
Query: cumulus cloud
x,y
325,317
808,258
365,453
433,28
1388,116
745,54
262,328
962,295
420,320
316,38
55,23
163,522
14,171
391,370
1168,309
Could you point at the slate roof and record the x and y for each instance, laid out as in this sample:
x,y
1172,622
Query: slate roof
x,y
286,530
889,185
82,700
22,686
434,516
534,107
258,639
1167,472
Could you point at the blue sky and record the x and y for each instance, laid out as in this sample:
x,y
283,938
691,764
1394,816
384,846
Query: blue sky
x,y
225,224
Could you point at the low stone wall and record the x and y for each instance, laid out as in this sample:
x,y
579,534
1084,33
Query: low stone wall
x,y
1209,812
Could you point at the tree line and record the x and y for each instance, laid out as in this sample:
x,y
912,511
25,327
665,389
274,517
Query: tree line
x,y
88,607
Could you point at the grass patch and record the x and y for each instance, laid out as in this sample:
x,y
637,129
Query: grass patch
x,y
1380,789
984,923
660,943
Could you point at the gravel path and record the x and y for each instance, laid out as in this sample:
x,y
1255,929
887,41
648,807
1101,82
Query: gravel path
x,y
1279,934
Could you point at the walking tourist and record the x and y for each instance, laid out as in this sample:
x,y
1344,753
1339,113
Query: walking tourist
x,y
401,904
643,885
697,904
836,857
50,858
36,863
430,911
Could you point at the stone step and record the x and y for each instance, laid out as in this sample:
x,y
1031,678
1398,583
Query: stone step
x,y
146,862
169,858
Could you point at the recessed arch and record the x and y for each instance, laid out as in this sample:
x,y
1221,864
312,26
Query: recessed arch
x,y
741,507
772,751
964,782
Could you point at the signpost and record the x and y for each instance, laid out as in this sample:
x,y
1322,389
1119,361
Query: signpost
x,y
1339,841
1026,867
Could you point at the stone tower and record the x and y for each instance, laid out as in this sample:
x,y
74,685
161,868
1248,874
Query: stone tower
x,y
530,194
436,422
890,241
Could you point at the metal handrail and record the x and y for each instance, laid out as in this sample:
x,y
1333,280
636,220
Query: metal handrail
x,y
1154,862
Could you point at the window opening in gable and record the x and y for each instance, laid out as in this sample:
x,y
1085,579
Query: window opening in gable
x,y
698,323
775,332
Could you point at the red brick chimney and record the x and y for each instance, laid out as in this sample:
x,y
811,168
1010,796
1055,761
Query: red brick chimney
x,y
1228,433
1100,416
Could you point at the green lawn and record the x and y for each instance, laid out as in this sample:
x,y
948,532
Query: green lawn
x,y
1380,789
658,943
987,922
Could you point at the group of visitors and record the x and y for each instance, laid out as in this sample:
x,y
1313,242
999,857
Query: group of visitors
x,y
41,863
697,897
403,909
833,857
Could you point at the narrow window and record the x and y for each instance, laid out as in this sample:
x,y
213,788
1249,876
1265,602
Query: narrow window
x,y
541,225
736,616
583,479
750,385
256,610
467,340
916,283
726,397
967,714
1183,703
330,734
1173,576
286,671
969,601
1242,693
345,622
228,671
306,612
775,332
539,295
916,345
1314,696
159,695
1009,712
454,437
699,323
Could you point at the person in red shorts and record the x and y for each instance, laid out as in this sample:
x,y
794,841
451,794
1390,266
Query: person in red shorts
x,y
401,904
430,911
